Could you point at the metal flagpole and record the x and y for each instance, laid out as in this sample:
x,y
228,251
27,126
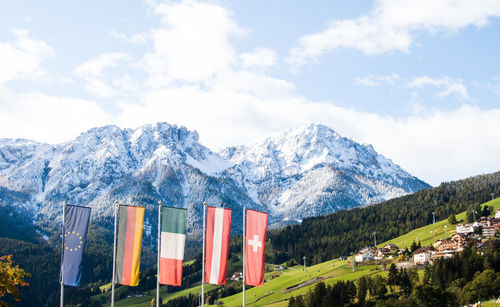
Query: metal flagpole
x,y
114,261
244,245
203,259
62,257
158,259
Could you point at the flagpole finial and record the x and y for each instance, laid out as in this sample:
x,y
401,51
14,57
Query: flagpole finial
x,y
204,203
116,202
159,203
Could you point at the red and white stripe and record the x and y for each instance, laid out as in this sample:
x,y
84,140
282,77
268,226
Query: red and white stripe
x,y
217,244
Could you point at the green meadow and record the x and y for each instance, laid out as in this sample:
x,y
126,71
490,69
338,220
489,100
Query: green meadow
x,y
438,230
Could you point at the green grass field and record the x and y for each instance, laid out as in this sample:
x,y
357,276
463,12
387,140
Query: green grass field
x,y
424,233
273,292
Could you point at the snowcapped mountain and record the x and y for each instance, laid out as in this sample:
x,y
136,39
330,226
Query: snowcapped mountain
x,y
299,173
313,170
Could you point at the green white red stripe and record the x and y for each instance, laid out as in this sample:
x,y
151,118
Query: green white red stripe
x,y
173,237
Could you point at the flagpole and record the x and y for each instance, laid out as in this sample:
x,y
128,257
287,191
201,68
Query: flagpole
x,y
158,258
114,261
244,245
203,259
62,256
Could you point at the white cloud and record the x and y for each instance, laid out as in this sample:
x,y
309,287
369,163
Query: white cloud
x,y
22,59
46,118
494,85
194,44
92,71
446,85
96,66
392,25
457,89
99,87
418,82
450,87
261,58
372,80
138,38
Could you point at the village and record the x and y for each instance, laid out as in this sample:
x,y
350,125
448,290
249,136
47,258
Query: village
x,y
480,233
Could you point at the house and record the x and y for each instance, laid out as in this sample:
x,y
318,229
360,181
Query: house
x,y
489,231
494,222
465,228
497,214
391,247
382,252
237,276
484,220
439,242
423,254
365,254
478,224
459,238
483,246
447,248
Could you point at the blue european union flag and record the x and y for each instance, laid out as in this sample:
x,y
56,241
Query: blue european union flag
x,y
75,232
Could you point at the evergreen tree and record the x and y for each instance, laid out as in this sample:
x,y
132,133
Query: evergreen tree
x,y
452,219
362,290
393,277
405,282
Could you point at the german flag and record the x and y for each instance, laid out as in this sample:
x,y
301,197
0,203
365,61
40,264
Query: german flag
x,y
128,249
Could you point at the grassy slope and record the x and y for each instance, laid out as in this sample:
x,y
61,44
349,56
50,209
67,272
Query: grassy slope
x,y
273,294
340,270
273,291
424,233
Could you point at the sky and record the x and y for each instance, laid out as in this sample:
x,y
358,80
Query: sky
x,y
419,80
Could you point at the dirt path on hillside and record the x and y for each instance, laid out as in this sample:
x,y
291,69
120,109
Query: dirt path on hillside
x,y
304,284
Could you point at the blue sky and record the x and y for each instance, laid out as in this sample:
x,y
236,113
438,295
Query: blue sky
x,y
419,80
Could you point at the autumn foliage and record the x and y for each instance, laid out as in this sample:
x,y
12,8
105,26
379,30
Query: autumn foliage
x,y
10,277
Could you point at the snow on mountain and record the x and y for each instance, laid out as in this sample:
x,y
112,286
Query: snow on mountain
x,y
313,170
295,174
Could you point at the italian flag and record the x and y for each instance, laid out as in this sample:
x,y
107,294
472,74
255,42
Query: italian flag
x,y
173,237
128,249
217,244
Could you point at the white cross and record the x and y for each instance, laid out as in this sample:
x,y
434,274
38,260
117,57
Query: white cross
x,y
255,243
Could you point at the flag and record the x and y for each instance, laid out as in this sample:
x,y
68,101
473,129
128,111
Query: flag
x,y
128,248
173,237
76,223
255,245
217,244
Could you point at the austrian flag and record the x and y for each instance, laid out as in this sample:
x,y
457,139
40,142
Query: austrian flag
x,y
217,244
255,245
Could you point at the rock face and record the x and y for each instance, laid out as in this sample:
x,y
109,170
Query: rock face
x,y
296,174
313,171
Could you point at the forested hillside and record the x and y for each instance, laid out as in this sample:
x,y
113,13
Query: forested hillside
x,y
341,233
319,239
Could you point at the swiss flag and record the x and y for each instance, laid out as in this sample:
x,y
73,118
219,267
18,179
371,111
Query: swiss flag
x,y
255,245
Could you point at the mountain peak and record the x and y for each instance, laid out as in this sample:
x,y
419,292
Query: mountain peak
x,y
298,173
